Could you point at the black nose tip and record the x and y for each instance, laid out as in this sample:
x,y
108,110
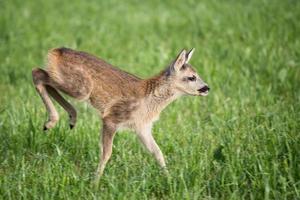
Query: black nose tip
x,y
204,89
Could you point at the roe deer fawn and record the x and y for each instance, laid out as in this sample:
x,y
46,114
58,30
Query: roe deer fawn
x,y
122,99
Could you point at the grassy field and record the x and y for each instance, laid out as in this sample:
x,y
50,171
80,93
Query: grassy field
x,y
240,142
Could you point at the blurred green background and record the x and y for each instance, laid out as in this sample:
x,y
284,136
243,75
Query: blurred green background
x,y
240,142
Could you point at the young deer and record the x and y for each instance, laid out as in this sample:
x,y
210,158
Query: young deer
x,y
122,99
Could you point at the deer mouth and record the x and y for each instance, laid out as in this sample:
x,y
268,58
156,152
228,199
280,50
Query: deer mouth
x,y
204,90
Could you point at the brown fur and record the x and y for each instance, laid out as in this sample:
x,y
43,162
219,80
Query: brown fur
x,y
123,100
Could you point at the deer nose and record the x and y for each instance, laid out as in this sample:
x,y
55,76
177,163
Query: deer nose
x,y
204,89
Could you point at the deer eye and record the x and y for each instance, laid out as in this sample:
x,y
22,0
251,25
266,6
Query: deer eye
x,y
193,78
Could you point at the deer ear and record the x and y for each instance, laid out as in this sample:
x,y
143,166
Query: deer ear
x,y
180,60
189,55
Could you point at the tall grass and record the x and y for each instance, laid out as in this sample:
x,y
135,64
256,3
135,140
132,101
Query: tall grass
x,y
240,142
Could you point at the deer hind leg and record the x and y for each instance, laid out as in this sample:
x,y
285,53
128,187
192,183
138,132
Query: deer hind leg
x,y
65,104
47,85
40,79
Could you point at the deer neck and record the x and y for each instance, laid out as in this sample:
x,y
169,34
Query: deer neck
x,y
160,93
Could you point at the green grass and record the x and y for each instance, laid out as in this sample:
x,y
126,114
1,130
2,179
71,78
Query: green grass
x,y
240,142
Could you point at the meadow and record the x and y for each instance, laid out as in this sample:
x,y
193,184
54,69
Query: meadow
x,y
242,141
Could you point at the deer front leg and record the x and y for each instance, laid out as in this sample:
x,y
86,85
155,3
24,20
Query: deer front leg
x,y
148,141
108,133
